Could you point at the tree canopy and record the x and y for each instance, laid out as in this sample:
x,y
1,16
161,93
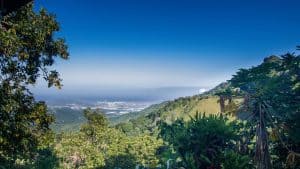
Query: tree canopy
x,y
28,49
271,92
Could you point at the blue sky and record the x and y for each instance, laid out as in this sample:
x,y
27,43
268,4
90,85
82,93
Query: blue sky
x,y
161,43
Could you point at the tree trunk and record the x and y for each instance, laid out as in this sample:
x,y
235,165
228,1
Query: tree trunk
x,y
262,148
222,104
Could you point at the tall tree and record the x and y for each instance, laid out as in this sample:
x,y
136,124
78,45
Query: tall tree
x,y
272,92
27,51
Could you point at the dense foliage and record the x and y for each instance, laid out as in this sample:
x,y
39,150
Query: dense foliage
x,y
99,146
271,91
27,50
201,142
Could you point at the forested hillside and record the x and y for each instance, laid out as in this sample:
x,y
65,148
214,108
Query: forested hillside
x,y
182,108
66,119
170,111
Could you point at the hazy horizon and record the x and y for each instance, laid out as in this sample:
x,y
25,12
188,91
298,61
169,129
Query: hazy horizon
x,y
85,95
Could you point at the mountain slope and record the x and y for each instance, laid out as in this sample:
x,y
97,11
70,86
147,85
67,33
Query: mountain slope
x,y
183,107
169,111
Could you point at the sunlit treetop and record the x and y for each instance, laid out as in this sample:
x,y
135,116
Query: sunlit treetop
x,y
28,47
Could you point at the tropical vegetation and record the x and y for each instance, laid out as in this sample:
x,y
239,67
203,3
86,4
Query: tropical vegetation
x,y
251,121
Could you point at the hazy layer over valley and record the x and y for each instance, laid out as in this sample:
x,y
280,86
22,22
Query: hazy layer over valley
x,y
67,106
112,99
